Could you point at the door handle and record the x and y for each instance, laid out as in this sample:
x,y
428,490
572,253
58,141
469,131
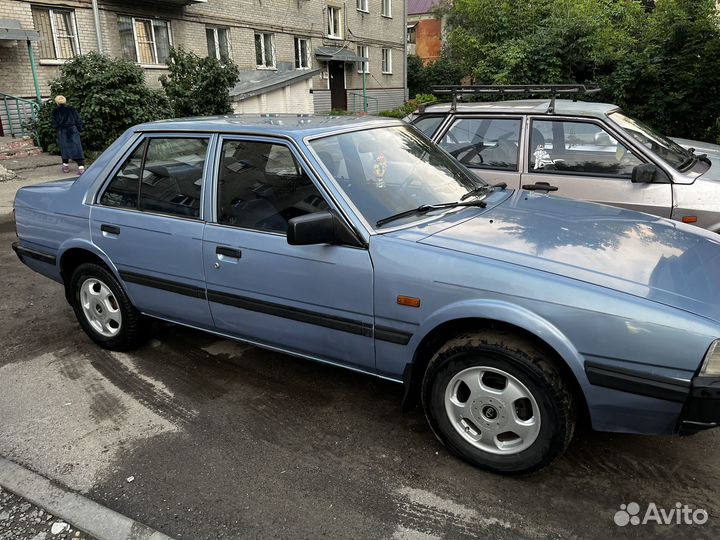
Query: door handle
x,y
539,186
228,252
109,229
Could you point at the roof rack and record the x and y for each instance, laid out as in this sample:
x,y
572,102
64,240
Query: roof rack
x,y
553,90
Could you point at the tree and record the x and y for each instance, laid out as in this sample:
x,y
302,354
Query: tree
x,y
421,77
199,86
110,95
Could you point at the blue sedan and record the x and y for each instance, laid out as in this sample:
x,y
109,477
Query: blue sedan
x,y
509,315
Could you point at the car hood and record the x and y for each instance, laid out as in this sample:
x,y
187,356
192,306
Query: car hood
x,y
639,254
699,146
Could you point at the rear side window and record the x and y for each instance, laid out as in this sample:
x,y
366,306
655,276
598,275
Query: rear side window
x,y
485,143
262,187
163,175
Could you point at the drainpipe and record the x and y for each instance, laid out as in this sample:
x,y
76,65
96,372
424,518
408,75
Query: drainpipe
x,y
31,54
406,94
98,34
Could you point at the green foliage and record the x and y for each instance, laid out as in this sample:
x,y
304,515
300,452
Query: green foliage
x,y
673,79
110,95
199,86
660,61
422,77
409,107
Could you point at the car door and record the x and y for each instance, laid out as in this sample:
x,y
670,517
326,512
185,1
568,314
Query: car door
x,y
311,300
148,220
487,145
586,161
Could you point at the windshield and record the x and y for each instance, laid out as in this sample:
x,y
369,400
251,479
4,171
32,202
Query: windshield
x,y
667,149
385,171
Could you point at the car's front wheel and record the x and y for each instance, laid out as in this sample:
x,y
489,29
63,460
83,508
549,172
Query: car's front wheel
x,y
103,309
499,402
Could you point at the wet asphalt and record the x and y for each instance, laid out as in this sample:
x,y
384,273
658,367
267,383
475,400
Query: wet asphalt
x,y
200,437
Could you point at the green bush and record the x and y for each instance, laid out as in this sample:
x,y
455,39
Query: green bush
x,y
409,106
421,77
660,61
198,86
110,95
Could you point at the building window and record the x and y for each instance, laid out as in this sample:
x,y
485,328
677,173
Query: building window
x,y
387,61
362,51
264,51
335,22
218,42
58,32
362,5
386,8
146,41
302,53
411,34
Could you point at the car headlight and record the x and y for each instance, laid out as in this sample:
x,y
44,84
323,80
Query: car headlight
x,y
711,364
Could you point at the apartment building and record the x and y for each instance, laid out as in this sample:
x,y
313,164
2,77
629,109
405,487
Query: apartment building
x,y
295,55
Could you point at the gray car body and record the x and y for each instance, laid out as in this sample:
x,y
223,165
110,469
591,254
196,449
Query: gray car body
x,y
688,195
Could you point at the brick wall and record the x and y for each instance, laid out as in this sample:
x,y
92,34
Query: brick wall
x,y
284,18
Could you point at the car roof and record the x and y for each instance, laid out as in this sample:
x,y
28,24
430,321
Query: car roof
x,y
290,125
528,106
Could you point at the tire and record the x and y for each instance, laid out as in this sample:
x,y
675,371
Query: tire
x,y
104,311
520,415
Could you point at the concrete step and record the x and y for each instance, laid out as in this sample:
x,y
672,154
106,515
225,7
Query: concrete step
x,y
17,147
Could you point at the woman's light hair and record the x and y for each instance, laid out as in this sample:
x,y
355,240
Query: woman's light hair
x,y
60,100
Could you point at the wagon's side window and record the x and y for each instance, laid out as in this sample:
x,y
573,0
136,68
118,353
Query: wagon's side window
x,y
122,192
261,186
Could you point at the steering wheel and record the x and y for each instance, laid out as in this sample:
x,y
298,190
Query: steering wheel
x,y
473,151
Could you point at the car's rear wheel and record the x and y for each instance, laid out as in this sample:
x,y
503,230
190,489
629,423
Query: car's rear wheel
x,y
103,309
499,402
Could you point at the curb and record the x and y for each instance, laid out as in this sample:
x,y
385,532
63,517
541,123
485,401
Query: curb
x,y
86,515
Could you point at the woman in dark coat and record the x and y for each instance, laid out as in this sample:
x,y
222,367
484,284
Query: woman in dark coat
x,y
69,125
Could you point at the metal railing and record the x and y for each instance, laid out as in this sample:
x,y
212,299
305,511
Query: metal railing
x,y
18,113
357,103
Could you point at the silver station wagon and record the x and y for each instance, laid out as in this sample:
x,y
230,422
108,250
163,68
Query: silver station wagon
x,y
579,150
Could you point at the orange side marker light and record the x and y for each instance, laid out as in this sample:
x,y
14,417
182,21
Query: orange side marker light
x,y
408,301
689,219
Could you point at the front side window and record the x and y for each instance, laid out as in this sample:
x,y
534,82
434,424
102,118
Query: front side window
x,y
387,61
218,42
585,148
387,8
384,171
264,51
334,15
666,148
361,5
302,54
487,143
146,41
261,186
363,52
163,175
58,33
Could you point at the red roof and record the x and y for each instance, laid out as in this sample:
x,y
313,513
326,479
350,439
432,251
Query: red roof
x,y
416,7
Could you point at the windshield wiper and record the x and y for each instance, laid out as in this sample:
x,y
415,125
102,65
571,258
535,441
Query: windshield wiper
x,y
483,189
424,208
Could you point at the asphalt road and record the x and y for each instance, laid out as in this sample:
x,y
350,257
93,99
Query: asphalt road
x,y
200,437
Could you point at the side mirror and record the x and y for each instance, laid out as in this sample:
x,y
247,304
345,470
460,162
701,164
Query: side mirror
x,y
648,173
319,228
